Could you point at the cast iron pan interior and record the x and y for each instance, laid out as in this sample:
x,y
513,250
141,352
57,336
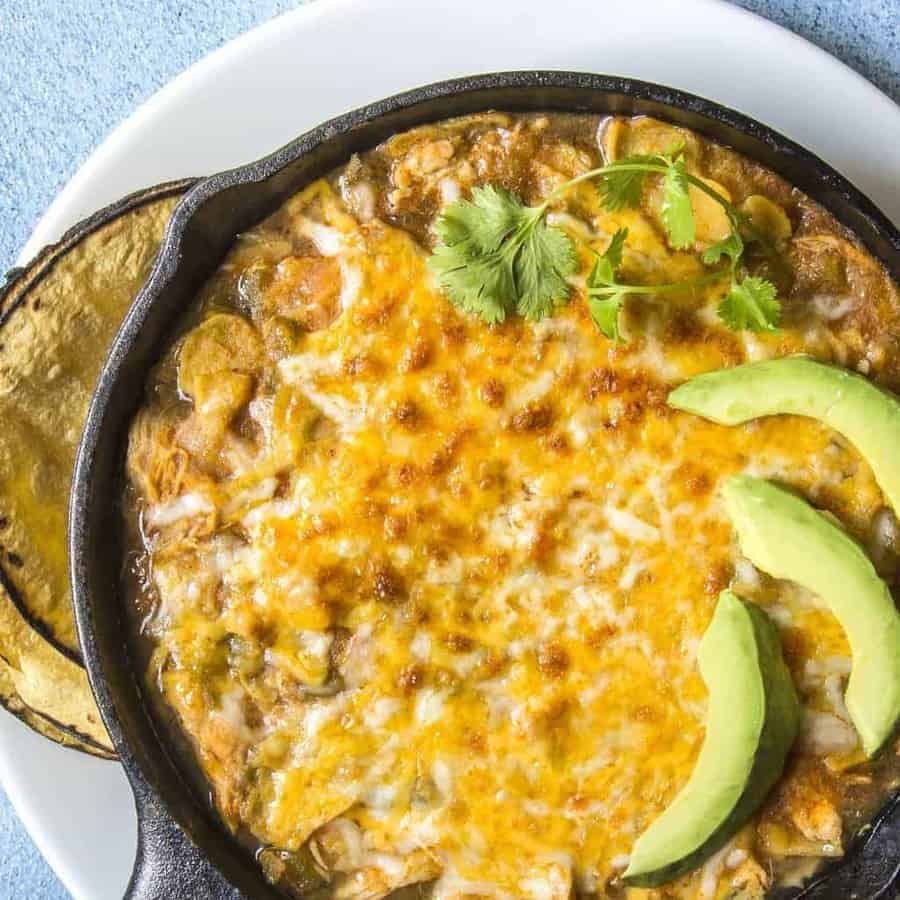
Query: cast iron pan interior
x,y
196,858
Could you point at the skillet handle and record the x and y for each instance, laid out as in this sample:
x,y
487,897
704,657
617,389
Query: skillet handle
x,y
168,865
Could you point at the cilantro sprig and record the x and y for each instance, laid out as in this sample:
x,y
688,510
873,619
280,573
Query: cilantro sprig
x,y
496,256
606,294
621,184
750,303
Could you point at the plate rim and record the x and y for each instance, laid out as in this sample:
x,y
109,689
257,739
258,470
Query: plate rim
x,y
62,213
57,216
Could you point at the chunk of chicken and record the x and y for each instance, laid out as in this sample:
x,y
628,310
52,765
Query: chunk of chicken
x,y
305,289
713,223
818,820
749,880
216,366
387,873
174,492
338,846
625,137
220,343
422,159
219,398
221,738
421,168
156,464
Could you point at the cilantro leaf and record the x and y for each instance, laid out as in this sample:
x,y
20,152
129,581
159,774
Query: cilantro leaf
x,y
751,304
497,256
677,212
620,184
731,246
546,257
613,254
482,223
482,285
605,297
622,181
603,274
605,313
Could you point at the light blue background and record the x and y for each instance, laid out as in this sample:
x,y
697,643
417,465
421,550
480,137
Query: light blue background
x,y
71,70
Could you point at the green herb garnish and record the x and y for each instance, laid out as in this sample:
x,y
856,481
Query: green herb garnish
x,y
677,212
750,304
606,294
497,256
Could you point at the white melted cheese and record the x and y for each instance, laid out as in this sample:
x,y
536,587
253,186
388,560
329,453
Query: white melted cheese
x,y
185,506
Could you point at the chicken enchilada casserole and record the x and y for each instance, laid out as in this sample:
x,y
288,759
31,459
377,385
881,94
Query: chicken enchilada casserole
x,y
514,516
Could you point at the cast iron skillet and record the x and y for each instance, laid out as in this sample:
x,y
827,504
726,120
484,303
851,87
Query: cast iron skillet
x,y
184,853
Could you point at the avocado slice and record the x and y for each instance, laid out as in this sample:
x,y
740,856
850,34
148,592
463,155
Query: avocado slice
x,y
784,536
753,719
863,413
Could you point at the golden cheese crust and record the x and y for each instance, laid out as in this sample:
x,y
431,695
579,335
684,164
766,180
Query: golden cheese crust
x,y
424,594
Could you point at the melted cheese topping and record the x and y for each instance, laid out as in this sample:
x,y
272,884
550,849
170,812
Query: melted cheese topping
x,y
439,586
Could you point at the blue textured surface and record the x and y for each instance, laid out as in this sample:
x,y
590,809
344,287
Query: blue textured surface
x,y
71,71
23,872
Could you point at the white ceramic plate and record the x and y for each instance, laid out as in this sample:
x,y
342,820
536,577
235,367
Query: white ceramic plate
x,y
286,76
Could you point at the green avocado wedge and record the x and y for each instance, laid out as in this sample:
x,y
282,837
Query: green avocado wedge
x,y
863,413
753,719
784,536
